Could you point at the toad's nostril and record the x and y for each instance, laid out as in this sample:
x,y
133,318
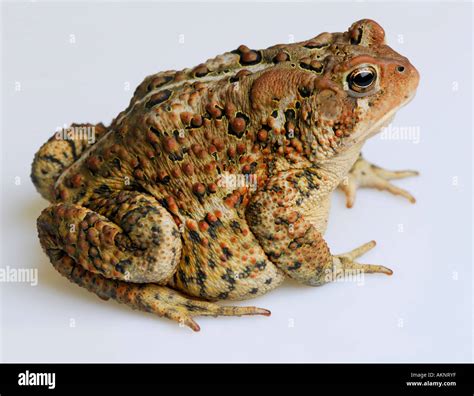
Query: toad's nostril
x,y
401,69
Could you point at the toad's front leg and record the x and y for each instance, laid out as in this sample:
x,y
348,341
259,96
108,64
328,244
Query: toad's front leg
x,y
277,216
366,175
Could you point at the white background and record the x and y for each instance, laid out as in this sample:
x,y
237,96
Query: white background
x,y
422,313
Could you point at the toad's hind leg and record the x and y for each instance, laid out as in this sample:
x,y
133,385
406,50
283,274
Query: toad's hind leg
x,y
125,247
127,236
152,298
60,152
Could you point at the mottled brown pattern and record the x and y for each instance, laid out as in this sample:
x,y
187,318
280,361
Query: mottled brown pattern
x,y
214,183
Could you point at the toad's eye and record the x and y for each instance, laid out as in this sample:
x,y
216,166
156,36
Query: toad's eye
x,y
362,80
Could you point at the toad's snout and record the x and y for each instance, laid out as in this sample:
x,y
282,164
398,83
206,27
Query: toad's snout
x,y
409,78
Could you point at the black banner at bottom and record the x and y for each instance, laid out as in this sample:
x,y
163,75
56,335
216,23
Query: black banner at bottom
x,y
407,378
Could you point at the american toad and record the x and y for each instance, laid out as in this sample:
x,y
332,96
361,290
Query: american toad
x,y
214,183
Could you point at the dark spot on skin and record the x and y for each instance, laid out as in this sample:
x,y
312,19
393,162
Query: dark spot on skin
x,y
276,189
103,189
234,79
201,71
290,114
274,113
50,158
229,277
130,220
295,266
191,307
117,164
122,266
194,235
223,296
316,67
355,40
245,273
293,245
186,260
176,157
254,290
314,45
227,252
72,144
261,265
156,131
201,278
112,293
165,180
235,225
158,82
211,264
183,278
268,281
158,98
304,92
212,230
80,195
310,175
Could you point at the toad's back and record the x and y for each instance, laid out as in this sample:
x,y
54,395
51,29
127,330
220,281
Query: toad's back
x,y
183,132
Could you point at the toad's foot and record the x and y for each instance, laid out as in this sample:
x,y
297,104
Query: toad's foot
x,y
365,174
152,298
344,264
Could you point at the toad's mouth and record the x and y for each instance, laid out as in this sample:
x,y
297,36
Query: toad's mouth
x,y
385,120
